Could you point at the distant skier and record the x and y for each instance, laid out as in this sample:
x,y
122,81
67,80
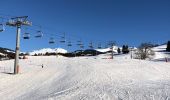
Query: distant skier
x,y
42,66
166,59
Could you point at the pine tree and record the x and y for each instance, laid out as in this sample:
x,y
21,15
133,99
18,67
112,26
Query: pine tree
x,y
125,49
168,46
118,50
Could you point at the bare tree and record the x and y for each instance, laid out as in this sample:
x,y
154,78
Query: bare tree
x,y
144,51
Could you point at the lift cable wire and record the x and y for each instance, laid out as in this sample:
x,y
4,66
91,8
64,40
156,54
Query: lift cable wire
x,y
47,33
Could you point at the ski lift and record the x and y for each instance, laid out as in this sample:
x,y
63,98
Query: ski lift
x,y
26,36
39,34
51,41
63,39
79,43
81,46
2,28
69,44
99,46
91,45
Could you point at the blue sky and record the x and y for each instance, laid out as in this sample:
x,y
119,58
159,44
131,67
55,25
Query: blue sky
x,y
124,21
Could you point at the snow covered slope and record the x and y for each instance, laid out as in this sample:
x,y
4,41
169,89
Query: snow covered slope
x,y
49,50
108,49
85,78
114,49
160,52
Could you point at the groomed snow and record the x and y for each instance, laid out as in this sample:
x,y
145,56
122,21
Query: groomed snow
x,y
85,78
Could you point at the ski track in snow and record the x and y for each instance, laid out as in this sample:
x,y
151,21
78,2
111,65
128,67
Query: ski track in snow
x,y
86,78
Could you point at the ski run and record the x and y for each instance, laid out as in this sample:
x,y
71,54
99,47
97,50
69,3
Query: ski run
x,y
86,78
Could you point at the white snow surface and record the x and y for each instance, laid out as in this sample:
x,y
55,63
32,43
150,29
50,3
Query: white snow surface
x,y
85,78
160,52
114,49
104,50
108,49
49,50
10,51
2,54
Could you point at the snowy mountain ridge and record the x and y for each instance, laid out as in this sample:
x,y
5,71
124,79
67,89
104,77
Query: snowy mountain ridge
x,y
108,49
114,49
6,53
49,50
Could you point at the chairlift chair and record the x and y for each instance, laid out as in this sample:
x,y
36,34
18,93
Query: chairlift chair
x,y
69,44
51,41
79,43
26,36
63,38
39,34
2,28
91,45
81,46
99,46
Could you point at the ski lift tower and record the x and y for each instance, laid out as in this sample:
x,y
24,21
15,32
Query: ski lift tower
x,y
112,43
18,22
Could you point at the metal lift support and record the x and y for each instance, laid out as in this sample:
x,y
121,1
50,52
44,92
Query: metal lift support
x,y
18,22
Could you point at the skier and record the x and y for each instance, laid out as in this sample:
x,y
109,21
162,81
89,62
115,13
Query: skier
x,y
166,59
42,66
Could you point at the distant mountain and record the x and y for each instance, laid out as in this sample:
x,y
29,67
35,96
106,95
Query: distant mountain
x,y
87,52
48,50
6,53
105,50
